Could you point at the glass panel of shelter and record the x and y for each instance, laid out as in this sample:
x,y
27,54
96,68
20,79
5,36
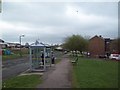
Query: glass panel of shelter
x,y
48,56
36,57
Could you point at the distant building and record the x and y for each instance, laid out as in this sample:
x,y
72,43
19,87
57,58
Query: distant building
x,y
107,45
59,48
13,45
3,44
2,41
99,46
96,46
114,46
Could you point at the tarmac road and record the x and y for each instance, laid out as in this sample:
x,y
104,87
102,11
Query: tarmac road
x,y
9,63
14,70
11,68
14,67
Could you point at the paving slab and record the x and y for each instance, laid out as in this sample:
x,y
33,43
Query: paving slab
x,y
59,76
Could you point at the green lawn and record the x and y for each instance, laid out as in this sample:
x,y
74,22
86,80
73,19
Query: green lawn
x,y
27,81
95,73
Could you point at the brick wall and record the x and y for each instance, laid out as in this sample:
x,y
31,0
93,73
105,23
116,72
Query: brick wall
x,y
96,46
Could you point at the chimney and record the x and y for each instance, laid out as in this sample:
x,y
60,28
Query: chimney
x,y
100,36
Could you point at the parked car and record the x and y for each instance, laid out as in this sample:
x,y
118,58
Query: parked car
x,y
102,56
115,56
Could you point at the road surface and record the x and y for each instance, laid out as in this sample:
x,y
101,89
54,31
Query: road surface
x,y
14,67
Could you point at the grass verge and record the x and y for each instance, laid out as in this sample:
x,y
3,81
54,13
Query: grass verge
x,y
95,73
27,81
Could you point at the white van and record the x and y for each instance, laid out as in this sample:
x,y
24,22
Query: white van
x,y
115,56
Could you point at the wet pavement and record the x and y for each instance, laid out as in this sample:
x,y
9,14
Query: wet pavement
x,y
11,68
9,63
59,76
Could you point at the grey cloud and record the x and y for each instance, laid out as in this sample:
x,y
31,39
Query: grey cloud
x,y
50,23
99,8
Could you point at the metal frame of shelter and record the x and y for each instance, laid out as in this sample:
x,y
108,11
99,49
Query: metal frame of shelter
x,y
37,62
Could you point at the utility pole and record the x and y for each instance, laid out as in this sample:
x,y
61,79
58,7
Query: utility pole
x,y
20,44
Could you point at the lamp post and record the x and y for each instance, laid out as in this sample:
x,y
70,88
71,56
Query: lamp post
x,y
20,44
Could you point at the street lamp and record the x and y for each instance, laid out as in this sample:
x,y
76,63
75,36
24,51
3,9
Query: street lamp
x,y
20,43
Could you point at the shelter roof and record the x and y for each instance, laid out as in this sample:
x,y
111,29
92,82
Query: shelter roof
x,y
39,44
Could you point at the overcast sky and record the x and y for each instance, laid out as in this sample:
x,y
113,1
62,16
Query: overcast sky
x,y
51,22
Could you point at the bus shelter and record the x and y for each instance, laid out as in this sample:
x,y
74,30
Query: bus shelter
x,y
40,56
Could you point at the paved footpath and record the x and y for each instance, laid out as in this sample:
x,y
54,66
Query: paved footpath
x,y
59,76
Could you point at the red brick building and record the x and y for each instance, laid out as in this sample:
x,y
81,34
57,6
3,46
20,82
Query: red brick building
x,y
96,46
